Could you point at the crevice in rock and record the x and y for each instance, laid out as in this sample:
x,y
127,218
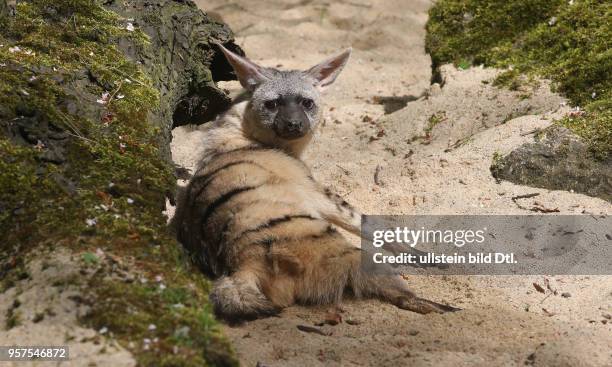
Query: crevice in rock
x,y
219,67
204,101
436,76
199,105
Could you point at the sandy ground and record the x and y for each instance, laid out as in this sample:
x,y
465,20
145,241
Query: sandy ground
x,y
442,169
47,307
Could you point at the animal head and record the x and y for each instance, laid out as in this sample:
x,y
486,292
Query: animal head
x,y
285,106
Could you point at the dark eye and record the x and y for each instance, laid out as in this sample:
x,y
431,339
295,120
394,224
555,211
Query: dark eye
x,y
271,104
307,103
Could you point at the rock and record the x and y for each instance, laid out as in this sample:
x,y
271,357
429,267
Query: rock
x,y
557,160
450,113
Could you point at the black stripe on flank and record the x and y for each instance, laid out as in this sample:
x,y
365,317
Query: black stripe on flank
x,y
269,241
328,231
243,149
325,233
208,177
273,222
222,238
212,173
210,209
237,209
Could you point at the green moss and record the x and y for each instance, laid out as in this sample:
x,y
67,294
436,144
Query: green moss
x,y
13,319
569,43
464,64
120,148
66,281
9,280
90,258
460,30
13,315
108,189
595,127
512,79
497,158
169,327
434,120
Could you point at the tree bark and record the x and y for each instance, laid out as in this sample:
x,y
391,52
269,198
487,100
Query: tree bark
x,y
89,93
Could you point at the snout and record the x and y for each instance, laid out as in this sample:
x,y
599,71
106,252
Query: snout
x,y
291,129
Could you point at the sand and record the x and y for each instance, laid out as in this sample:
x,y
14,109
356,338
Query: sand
x,y
48,314
439,170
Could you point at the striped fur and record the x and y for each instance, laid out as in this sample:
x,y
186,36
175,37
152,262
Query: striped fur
x,y
256,221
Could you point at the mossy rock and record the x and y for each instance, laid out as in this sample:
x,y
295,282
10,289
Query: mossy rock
x,y
568,42
89,93
557,160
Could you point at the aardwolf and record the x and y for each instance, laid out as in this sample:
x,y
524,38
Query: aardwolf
x,y
255,218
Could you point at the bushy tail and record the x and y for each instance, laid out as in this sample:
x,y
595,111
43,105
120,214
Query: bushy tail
x,y
238,297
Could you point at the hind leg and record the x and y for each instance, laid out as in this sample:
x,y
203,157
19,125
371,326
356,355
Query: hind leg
x,y
394,289
337,267
239,296
390,288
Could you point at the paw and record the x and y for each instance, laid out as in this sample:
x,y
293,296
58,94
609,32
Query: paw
x,y
424,306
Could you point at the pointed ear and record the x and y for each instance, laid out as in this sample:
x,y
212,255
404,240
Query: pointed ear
x,y
326,72
249,74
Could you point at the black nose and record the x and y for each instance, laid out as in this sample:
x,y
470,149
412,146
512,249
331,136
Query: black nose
x,y
293,125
